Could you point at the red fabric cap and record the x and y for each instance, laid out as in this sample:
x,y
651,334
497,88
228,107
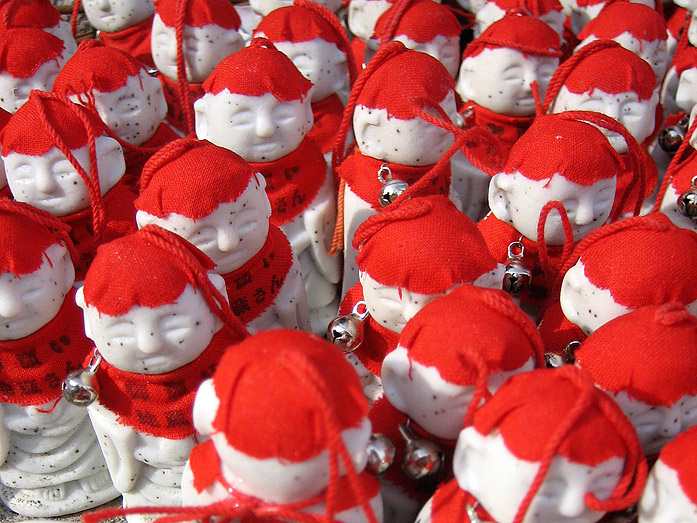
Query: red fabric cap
x,y
24,49
529,407
315,392
681,455
684,58
576,150
29,13
640,20
167,185
516,31
256,70
470,319
406,83
199,13
650,353
425,245
28,133
297,24
613,70
647,261
422,22
536,7
96,66
134,271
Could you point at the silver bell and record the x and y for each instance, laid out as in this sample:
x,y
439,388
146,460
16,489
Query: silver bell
x,y
517,276
77,386
672,136
391,189
567,357
422,458
381,453
346,332
687,201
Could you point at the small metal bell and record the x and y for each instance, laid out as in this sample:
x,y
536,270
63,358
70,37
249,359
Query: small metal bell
x,y
670,138
422,458
346,332
473,515
517,276
381,453
687,201
391,189
77,386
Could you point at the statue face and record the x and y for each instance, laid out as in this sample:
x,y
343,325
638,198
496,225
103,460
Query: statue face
x,y
408,142
363,15
485,467
153,340
135,111
258,128
580,15
445,49
30,301
663,498
422,394
111,16
517,200
232,234
204,48
501,80
51,183
585,304
686,95
63,31
14,92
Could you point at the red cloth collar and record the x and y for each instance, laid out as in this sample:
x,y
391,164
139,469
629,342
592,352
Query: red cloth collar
x,y
360,172
120,220
32,368
253,287
506,128
175,116
450,504
292,182
327,113
136,158
378,341
134,41
160,404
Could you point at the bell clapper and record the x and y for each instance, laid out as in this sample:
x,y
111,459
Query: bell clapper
x,y
517,275
346,332
391,189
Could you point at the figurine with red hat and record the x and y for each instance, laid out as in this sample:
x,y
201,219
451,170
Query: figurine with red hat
x,y
224,211
549,11
671,488
51,462
123,24
532,453
160,323
455,343
361,19
59,159
257,104
40,14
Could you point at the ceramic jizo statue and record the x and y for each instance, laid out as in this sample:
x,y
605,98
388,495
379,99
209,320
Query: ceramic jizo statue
x,y
160,323
264,116
261,454
532,453
662,344
549,11
40,14
124,24
225,212
671,492
58,171
51,464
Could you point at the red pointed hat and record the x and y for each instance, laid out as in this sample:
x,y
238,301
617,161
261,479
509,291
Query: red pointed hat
x,y
523,33
25,234
425,245
315,394
256,70
681,455
622,258
641,21
199,13
30,131
96,66
167,185
24,49
650,353
29,13
421,21
447,331
405,83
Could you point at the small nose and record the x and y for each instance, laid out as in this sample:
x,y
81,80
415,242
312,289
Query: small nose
x,y
172,49
105,5
45,181
574,277
613,111
149,339
571,504
265,125
10,302
227,240
410,305
584,213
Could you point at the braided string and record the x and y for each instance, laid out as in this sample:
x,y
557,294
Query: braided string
x,y
73,17
568,234
182,82
470,356
175,149
395,14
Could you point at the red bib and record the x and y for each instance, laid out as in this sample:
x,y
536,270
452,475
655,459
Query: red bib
x,y
327,113
506,128
253,287
292,182
175,115
134,40
160,404
32,368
